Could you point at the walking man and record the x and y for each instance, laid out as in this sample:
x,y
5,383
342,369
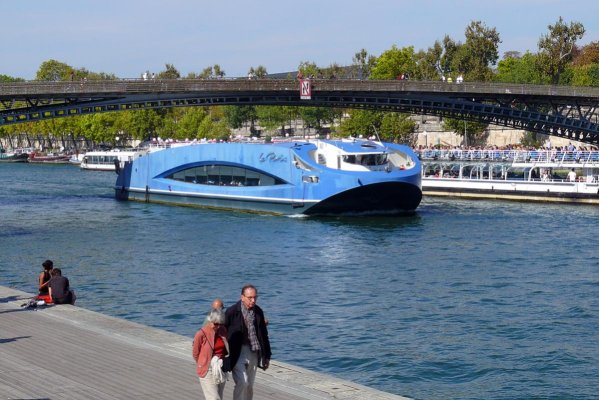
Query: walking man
x,y
248,342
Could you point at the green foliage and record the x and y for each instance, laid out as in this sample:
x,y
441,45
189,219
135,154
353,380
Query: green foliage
x,y
362,64
471,131
53,70
273,117
237,116
394,62
585,75
170,72
210,129
308,69
556,48
399,128
6,78
190,123
533,140
318,116
476,56
361,123
426,65
211,72
388,126
520,70
258,72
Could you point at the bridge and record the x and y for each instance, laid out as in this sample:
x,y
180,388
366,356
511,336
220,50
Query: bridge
x,y
563,111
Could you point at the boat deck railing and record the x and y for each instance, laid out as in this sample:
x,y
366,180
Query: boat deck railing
x,y
560,157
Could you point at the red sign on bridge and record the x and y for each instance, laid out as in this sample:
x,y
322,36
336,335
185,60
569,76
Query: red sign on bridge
x,y
305,89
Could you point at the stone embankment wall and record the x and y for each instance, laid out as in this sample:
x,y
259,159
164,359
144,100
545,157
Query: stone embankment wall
x,y
430,133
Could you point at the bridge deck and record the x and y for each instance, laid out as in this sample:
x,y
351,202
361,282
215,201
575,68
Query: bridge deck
x,y
95,89
66,352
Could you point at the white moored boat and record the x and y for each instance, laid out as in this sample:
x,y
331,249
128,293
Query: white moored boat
x,y
107,160
537,175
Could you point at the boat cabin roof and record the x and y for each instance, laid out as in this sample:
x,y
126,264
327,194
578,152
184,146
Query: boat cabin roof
x,y
348,146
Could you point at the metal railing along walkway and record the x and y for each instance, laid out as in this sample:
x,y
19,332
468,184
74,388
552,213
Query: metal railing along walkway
x,y
582,158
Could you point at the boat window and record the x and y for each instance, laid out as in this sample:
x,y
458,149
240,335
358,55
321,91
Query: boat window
x,y
350,159
224,175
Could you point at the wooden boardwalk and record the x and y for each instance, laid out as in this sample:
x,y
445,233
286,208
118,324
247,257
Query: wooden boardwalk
x,y
67,352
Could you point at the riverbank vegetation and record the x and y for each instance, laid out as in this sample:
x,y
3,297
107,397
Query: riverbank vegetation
x,y
558,60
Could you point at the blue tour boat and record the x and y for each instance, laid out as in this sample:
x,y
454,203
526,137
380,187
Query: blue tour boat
x,y
316,177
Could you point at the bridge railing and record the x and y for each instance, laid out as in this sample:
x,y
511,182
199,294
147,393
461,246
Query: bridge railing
x,y
31,88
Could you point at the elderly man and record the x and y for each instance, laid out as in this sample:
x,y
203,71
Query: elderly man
x,y
248,342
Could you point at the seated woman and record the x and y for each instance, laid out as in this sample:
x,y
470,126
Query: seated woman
x,y
59,288
44,277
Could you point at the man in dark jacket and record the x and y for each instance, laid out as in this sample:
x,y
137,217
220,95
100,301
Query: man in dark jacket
x,y
248,342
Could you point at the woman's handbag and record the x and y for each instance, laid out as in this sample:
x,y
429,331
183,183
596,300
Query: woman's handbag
x,y
227,364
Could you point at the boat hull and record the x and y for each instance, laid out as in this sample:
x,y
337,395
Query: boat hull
x,y
311,190
560,192
379,198
15,158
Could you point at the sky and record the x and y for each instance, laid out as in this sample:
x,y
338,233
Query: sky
x,y
128,37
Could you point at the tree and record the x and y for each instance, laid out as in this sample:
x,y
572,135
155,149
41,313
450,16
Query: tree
x,y
212,72
475,57
53,70
586,55
6,78
333,71
585,75
144,124
272,117
237,116
523,69
363,123
308,69
362,64
189,123
210,129
170,72
258,72
398,127
533,140
437,60
556,48
471,131
393,63
218,71
318,116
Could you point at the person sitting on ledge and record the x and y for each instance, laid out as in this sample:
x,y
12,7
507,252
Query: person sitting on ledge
x,y
59,288
44,277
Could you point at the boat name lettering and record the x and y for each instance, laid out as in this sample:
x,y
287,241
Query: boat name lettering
x,y
272,157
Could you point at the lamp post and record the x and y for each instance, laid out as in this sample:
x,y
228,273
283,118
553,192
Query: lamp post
x,y
425,133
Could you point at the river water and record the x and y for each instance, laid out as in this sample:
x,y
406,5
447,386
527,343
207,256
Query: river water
x,y
463,300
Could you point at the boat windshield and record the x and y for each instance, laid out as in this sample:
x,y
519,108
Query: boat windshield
x,y
366,159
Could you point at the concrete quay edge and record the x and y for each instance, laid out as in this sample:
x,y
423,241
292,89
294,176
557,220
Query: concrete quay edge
x,y
281,379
